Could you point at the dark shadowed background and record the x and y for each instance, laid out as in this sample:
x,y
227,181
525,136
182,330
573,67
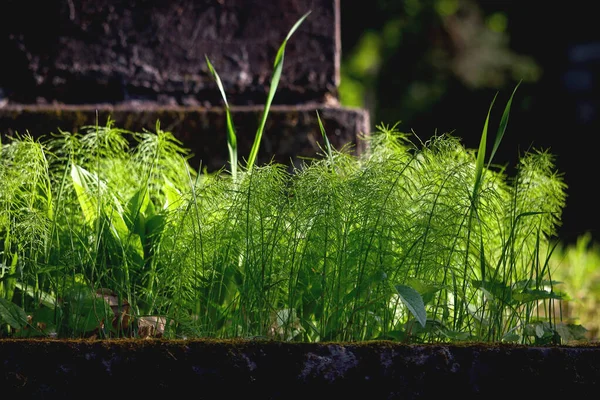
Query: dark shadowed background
x,y
435,65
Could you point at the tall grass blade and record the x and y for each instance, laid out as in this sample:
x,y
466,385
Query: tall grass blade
x,y
231,136
325,138
388,244
503,124
278,67
479,170
481,151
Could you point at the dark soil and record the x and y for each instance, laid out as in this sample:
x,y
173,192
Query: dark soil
x,y
275,370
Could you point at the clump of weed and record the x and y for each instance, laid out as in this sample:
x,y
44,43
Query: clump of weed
x,y
110,232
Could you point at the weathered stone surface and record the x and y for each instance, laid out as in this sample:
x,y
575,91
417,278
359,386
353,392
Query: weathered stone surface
x,y
113,51
291,132
207,369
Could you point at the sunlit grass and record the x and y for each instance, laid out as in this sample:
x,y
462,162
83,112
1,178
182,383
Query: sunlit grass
x,y
105,232
385,245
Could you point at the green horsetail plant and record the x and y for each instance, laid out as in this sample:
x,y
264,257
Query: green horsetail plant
x,y
231,135
409,296
107,207
378,247
229,277
26,211
414,242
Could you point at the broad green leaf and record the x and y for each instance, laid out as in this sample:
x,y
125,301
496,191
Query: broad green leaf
x,y
89,315
87,201
511,337
135,217
136,207
564,333
89,189
172,195
427,290
414,328
413,301
87,311
278,67
44,298
457,335
494,290
539,329
525,284
115,215
150,211
577,332
12,314
155,225
529,295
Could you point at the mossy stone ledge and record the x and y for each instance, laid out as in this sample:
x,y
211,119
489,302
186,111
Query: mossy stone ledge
x,y
282,370
291,132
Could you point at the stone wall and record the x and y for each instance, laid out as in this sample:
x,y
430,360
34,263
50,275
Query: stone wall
x,y
144,60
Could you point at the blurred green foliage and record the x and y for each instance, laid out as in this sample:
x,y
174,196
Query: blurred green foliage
x,y
414,56
577,266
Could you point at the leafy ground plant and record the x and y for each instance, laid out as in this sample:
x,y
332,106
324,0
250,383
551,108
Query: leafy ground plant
x,y
417,242
110,233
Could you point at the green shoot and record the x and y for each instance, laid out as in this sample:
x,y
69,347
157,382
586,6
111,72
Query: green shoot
x,y
277,68
231,136
378,247
324,134
503,124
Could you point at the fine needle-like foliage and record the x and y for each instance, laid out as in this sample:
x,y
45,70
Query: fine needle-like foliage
x,y
104,231
111,233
